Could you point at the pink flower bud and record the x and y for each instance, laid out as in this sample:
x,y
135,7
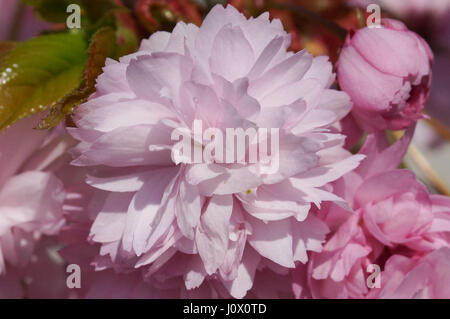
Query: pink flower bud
x,y
387,73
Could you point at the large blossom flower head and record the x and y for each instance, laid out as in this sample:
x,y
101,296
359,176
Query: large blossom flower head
x,y
220,220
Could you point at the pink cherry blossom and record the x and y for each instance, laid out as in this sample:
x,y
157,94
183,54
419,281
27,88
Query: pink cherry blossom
x,y
388,84
218,220
393,215
32,196
215,163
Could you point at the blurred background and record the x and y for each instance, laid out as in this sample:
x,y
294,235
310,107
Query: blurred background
x,y
311,24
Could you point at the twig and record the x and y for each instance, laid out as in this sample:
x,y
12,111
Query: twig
x,y
439,128
421,161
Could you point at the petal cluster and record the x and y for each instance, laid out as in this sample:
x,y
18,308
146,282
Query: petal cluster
x,y
31,204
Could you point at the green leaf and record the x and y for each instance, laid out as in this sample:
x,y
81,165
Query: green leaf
x,y
103,22
102,45
37,73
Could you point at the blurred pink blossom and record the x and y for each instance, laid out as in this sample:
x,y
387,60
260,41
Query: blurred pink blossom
x,y
24,176
32,197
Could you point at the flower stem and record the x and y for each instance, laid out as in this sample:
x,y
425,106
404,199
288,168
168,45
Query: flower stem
x,y
425,166
439,128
